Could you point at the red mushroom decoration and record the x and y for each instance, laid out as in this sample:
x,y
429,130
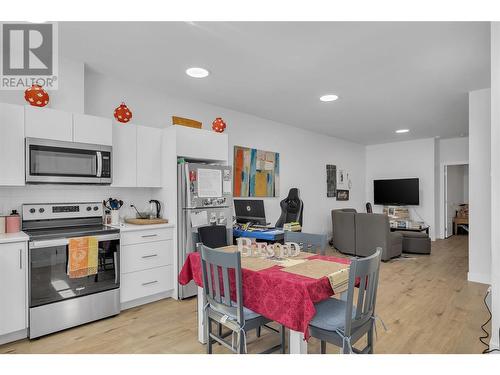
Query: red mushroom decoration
x,y
122,113
36,96
218,125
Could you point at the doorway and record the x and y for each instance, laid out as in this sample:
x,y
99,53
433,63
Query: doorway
x,y
456,199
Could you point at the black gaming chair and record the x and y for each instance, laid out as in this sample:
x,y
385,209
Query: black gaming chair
x,y
291,208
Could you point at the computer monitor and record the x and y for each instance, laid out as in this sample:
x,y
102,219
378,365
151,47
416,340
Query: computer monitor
x,y
250,210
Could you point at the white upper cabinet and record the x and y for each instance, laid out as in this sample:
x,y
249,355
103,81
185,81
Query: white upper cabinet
x,y
11,144
13,286
124,155
92,129
149,156
201,144
48,123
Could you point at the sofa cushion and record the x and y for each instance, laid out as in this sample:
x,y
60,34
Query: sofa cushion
x,y
411,234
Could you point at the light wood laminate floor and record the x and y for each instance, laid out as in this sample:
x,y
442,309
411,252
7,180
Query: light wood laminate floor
x,y
426,302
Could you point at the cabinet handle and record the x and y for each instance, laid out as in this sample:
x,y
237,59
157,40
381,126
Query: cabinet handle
x,y
149,256
150,282
21,259
149,235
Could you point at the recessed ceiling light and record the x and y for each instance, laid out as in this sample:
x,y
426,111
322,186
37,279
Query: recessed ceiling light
x,y
328,98
196,72
400,131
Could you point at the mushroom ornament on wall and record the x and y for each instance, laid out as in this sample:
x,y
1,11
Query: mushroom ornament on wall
x,y
36,96
218,125
123,113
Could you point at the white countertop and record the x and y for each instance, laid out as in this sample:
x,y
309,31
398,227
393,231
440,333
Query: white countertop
x,y
125,227
13,237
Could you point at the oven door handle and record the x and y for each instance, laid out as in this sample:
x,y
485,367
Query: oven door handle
x,y
65,241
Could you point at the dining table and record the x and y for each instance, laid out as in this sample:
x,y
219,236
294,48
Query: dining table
x,y
278,290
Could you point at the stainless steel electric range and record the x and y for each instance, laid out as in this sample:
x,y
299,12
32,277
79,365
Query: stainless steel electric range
x,y
56,301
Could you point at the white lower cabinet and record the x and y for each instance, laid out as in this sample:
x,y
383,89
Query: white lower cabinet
x,y
146,266
13,288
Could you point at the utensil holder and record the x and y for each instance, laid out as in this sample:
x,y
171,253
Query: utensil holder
x,y
115,217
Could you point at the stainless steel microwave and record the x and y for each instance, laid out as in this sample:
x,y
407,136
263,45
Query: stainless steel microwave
x,y
58,162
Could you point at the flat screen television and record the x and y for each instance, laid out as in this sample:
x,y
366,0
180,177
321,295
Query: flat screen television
x,y
399,192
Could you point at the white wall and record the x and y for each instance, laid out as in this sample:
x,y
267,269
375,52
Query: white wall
x,y
495,183
70,93
479,187
405,160
303,155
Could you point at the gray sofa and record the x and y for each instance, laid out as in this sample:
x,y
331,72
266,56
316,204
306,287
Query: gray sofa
x,y
360,234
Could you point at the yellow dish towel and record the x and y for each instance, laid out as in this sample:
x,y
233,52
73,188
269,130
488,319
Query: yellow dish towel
x,y
82,257
339,280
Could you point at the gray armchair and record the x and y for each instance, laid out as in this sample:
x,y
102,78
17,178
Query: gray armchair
x,y
360,234
372,231
344,230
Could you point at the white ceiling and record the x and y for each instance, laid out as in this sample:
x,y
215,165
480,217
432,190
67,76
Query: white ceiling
x,y
388,75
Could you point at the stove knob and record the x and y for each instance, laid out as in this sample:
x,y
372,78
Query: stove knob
x,y
96,208
32,210
41,210
89,208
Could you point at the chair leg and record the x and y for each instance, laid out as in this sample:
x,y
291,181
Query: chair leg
x,y
370,339
345,348
258,330
323,347
209,331
219,329
283,338
241,343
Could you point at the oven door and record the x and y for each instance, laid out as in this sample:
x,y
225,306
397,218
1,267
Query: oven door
x,y
48,274
49,161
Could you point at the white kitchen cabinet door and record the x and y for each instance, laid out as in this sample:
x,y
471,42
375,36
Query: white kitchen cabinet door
x,y
92,129
13,279
149,156
124,155
201,144
48,123
11,145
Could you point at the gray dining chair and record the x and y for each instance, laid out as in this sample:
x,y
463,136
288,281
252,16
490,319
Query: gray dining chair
x,y
339,322
220,308
312,243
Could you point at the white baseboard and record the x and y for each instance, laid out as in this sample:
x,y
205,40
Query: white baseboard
x,y
13,336
145,300
479,278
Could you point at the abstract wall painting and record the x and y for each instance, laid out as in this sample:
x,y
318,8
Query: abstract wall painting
x,y
331,181
256,172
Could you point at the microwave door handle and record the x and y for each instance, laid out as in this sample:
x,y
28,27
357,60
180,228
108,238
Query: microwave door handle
x,y
99,163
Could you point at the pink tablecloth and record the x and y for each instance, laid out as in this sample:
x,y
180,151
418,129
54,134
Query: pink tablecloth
x,y
281,296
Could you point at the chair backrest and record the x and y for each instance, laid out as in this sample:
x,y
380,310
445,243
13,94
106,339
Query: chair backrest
x,y
372,231
215,267
213,236
312,243
292,208
366,270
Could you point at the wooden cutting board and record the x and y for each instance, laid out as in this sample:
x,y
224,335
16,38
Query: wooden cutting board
x,y
146,221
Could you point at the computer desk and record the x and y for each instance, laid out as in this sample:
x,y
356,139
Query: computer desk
x,y
273,235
